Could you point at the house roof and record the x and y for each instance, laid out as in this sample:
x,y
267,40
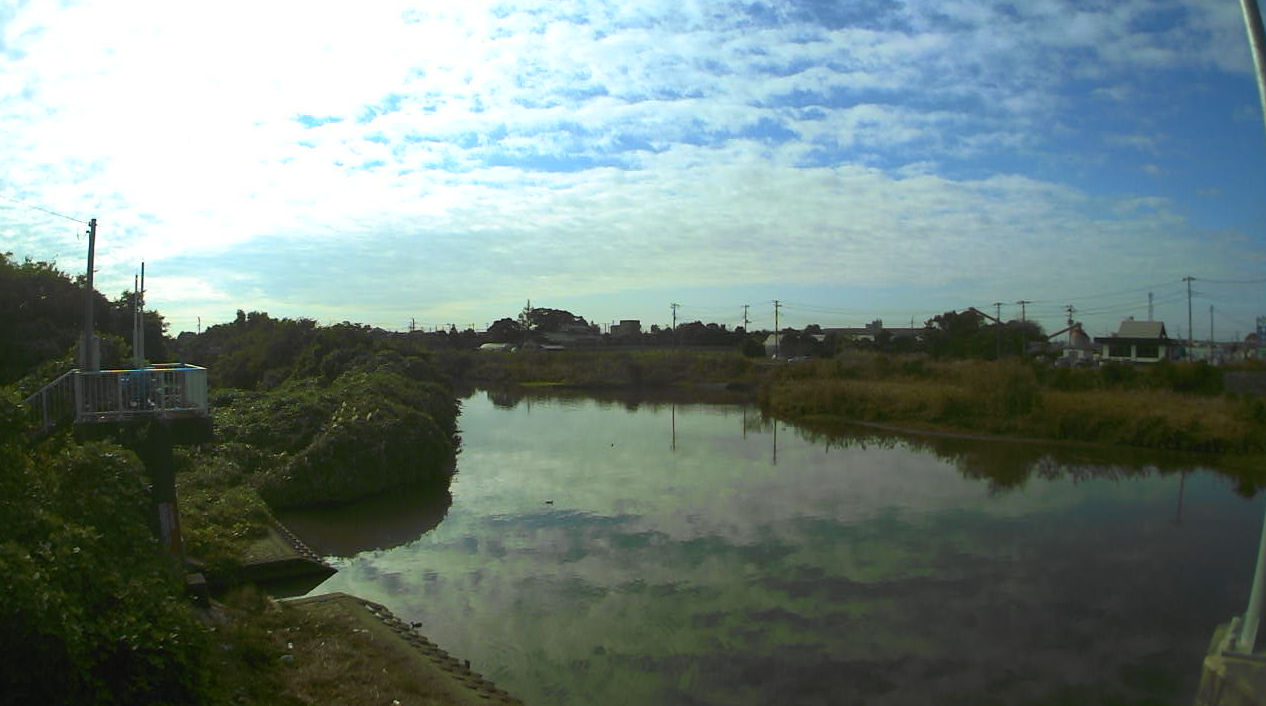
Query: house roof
x,y
869,331
1142,329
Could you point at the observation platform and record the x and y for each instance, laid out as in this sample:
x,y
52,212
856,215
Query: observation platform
x,y
173,392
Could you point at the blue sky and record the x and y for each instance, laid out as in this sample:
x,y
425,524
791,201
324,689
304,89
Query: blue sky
x,y
447,162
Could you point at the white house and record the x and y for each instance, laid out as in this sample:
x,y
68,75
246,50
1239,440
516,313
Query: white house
x,y
1138,342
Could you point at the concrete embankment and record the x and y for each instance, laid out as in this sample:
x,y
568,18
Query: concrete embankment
x,y
285,565
434,672
1231,678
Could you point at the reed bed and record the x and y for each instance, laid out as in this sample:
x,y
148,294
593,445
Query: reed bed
x,y
1028,400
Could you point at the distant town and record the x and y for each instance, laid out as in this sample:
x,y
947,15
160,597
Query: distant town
x,y
970,333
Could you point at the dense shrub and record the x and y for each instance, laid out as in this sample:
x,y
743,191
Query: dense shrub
x,y
92,608
654,367
1197,378
1119,374
385,422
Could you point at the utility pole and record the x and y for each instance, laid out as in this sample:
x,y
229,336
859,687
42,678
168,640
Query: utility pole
x,y
1149,307
997,329
1070,311
1191,341
1210,329
136,322
1023,303
199,325
140,322
88,354
777,335
745,321
674,305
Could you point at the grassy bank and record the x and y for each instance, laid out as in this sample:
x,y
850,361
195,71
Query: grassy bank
x,y
1178,407
598,368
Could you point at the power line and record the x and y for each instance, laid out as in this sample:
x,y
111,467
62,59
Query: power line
x,y
1232,281
1107,294
41,208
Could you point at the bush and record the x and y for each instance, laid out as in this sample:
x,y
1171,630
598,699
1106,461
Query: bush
x,y
379,425
1197,378
1119,374
93,609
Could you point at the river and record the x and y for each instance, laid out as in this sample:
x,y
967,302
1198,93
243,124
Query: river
x,y
632,552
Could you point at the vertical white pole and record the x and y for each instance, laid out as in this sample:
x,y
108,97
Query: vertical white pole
x,y
1257,44
1252,616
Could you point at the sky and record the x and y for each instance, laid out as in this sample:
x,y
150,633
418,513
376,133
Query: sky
x,y
443,163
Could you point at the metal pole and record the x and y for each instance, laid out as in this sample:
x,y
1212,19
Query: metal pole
x,y
1257,43
136,338
997,330
140,324
777,338
87,357
1191,340
1252,616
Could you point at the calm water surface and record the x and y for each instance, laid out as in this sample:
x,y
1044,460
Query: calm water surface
x,y
598,552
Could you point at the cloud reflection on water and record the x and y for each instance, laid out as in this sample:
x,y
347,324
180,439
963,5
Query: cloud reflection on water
x,y
855,569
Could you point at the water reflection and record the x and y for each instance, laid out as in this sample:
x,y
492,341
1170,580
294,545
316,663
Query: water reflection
x,y
1007,464
381,522
585,561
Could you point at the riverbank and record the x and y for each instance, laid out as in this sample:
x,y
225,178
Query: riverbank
x,y
332,649
1170,406
1017,400
600,368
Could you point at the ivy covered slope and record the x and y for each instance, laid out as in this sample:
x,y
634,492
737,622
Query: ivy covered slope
x,y
92,608
383,423
324,415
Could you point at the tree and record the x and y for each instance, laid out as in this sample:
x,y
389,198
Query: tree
x,y
955,335
506,330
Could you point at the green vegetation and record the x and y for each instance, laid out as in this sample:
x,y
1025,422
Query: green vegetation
x,y
1166,406
41,320
93,609
651,367
324,415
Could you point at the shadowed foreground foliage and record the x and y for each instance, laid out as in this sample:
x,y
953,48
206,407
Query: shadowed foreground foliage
x,y
92,608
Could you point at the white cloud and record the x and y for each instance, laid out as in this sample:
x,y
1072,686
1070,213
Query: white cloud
x,y
703,149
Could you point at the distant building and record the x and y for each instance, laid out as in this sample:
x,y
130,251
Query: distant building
x,y
783,345
1138,342
871,333
496,348
571,336
627,328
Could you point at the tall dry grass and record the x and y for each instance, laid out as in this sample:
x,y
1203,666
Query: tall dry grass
x,y
1011,397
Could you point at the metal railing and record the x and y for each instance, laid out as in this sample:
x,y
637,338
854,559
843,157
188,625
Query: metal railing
x,y
54,403
163,390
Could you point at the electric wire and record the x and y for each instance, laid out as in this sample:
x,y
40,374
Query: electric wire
x,y
41,208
